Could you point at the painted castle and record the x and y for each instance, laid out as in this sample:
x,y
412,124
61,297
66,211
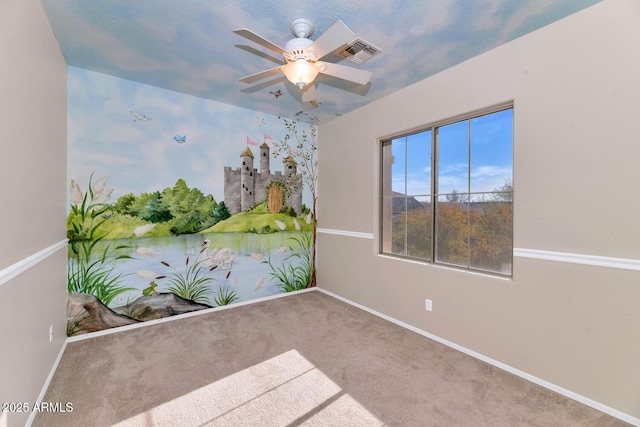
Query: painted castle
x,y
245,186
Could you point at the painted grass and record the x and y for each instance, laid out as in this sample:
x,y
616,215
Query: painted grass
x,y
294,276
243,222
122,226
193,284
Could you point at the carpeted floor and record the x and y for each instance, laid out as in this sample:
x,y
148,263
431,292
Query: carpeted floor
x,y
304,359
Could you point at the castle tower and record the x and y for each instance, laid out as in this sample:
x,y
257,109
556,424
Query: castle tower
x,y
290,166
264,158
294,182
247,180
232,189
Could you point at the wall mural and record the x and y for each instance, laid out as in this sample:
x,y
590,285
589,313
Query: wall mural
x,y
178,203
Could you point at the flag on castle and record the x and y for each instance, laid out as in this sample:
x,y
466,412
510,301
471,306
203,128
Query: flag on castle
x,y
267,137
251,141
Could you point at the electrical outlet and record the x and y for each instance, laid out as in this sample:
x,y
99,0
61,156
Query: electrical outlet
x,y
428,305
51,333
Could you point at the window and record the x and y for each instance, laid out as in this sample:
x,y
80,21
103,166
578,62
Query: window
x,y
447,193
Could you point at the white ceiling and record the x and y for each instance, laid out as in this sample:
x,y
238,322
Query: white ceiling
x,y
188,45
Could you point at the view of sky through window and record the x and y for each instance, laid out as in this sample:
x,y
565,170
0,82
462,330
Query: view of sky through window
x,y
486,162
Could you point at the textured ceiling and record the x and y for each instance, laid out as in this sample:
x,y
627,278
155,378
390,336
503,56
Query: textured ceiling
x,y
188,46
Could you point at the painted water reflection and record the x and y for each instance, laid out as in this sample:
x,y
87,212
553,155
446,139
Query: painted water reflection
x,y
236,259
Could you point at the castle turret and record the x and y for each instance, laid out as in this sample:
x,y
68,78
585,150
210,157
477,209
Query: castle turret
x,y
232,190
247,179
264,158
294,183
290,165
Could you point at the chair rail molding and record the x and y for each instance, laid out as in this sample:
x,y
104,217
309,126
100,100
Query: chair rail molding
x,y
345,233
13,270
593,260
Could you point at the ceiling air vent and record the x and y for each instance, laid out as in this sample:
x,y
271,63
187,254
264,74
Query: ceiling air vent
x,y
358,51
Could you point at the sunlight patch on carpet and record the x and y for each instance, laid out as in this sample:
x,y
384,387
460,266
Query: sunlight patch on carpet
x,y
279,391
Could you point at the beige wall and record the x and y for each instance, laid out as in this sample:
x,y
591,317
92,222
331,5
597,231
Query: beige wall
x,y
576,89
32,202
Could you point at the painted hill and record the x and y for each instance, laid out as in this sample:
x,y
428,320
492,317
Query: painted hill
x,y
244,222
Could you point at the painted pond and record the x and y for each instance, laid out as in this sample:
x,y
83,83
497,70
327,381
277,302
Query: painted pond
x,y
238,258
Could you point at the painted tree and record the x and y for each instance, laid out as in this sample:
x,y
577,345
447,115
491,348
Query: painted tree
x,y
301,144
220,213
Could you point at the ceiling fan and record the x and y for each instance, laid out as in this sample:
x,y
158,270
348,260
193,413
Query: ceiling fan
x,y
302,56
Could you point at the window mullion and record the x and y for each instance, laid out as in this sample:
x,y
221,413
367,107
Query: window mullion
x,y
406,195
434,188
469,193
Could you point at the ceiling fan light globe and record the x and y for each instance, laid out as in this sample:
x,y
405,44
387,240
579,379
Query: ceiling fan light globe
x,y
300,73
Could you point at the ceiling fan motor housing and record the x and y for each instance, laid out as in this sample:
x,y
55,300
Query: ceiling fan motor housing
x,y
300,68
296,49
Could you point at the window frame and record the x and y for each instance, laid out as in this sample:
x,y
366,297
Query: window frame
x,y
434,196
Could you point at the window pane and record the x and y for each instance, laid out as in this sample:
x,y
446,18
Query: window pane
x,y
491,151
453,158
491,235
397,164
393,213
387,168
398,229
452,232
419,227
387,225
394,230
419,164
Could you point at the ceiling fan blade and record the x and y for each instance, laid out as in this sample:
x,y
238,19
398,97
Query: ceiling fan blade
x,y
347,73
309,93
248,34
265,84
261,54
338,34
261,75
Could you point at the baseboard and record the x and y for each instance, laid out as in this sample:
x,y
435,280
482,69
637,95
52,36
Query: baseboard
x,y
33,414
568,393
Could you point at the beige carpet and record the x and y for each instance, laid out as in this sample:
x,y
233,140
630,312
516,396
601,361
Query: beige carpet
x,y
305,359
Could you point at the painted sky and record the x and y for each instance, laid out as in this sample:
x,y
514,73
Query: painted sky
x,y
106,137
189,46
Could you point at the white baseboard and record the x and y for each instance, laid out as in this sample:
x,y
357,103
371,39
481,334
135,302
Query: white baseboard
x,y
33,414
568,393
